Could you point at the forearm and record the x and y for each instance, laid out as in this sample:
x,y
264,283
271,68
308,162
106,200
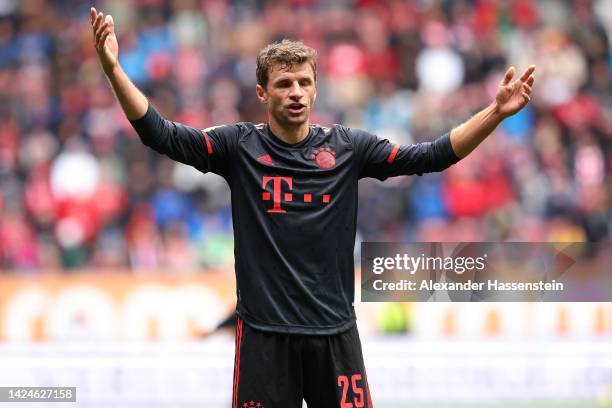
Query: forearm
x,y
132,101
465,137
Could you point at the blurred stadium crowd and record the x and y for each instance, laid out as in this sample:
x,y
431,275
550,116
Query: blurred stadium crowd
x,y
78,189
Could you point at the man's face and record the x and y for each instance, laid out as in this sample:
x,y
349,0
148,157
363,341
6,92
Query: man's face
x,y
289,94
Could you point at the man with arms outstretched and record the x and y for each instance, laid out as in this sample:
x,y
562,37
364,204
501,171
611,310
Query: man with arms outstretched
x,y
294,208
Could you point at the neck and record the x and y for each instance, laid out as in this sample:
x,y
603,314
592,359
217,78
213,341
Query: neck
x,y
289,134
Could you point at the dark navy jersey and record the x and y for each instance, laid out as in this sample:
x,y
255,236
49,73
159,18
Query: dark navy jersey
x,y
294,209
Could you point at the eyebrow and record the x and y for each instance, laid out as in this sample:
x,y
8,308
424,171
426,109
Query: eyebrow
x,y
301,78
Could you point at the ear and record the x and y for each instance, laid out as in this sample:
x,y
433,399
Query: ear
x,y
262,95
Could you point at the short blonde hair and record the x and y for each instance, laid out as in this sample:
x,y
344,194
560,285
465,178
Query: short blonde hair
x,y
286,53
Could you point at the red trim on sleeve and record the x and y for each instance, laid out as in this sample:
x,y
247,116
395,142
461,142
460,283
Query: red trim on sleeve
x,y
393,154
208,144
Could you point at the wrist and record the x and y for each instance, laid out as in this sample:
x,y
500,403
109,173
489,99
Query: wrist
x,y
496,112
112,71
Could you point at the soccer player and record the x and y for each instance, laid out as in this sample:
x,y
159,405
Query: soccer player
x,y
294,207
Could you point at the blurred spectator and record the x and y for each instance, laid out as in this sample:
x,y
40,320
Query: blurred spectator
x,y
78,189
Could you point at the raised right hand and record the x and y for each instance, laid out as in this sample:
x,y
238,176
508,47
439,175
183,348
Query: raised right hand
x,y
105,40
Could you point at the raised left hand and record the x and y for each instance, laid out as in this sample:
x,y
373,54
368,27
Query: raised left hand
x,y
511,97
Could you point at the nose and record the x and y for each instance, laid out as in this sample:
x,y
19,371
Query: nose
x,y
296,92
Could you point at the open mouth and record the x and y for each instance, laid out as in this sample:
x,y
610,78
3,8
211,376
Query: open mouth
x,y
296,108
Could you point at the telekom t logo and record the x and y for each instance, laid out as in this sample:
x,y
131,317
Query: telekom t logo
x,y
276,189
278,196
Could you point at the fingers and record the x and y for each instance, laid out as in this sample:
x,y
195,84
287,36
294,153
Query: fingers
x,y
100,22
103,31
103,38
100,31
508,76
97,21
526,98
102,27
526,88
527,74
106,26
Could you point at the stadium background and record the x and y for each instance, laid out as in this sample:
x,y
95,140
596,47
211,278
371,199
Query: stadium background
x,y
115,262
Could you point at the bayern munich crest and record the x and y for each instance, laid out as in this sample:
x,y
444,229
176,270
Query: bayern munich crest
x,y
325,157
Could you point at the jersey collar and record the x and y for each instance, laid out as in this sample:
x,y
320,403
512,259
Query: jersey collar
x,y
276,140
